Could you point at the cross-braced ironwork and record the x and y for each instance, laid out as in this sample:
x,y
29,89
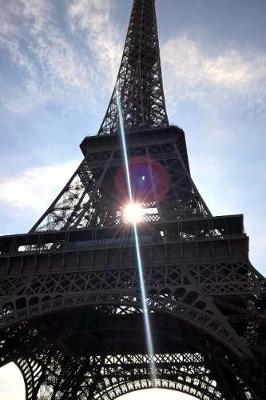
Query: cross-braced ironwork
x,y
139,81
70,300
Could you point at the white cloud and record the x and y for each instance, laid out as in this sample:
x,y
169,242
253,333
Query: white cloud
x,y
36,11
50,65
192,74
36,188
60,63
94,19
20,21
228,70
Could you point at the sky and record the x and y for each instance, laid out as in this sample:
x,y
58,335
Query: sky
x,y
58,65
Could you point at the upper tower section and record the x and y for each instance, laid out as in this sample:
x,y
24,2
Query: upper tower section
x,y
139,85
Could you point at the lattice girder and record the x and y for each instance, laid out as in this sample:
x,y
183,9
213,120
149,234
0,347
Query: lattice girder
x,y
94,377
139,86
97,377
28,289
70,308
60,369
58,291
32,372
89,200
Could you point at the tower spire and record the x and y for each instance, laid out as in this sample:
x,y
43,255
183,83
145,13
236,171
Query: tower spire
x,y
139,82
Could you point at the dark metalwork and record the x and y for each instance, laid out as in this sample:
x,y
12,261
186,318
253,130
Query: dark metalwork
x,y
88,199
71,313
139,81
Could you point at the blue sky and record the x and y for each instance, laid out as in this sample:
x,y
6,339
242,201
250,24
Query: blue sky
x,y
58,65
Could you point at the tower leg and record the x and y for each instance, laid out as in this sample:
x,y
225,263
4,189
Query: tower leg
x,y
33,376
231,385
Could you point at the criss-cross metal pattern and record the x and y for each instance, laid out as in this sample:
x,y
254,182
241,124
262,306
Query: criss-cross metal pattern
x,y
91,198
122,374
139,83
71,314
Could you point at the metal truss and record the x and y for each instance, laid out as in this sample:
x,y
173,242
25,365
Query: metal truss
x,y
32,373
88,199
139,86
70,307
181,290
105,378
180,276
53,369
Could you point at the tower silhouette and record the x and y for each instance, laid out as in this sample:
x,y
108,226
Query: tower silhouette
x,y
71,307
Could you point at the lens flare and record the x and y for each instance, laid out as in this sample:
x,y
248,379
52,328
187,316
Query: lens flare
x,y
148,178
146,318
133,213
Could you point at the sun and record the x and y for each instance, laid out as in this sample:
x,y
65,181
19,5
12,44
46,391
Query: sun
x,y
133,213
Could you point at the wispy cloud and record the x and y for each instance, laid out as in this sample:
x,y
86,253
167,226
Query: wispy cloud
x,y
192,74
93,18
43,49
35,188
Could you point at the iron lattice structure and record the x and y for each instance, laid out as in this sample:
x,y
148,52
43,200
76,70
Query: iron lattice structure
x,y
139,81
71,311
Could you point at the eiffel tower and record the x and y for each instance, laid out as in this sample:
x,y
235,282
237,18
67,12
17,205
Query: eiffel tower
x,y
72,303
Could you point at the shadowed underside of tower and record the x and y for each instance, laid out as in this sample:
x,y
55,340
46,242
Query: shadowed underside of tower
x,y
71,310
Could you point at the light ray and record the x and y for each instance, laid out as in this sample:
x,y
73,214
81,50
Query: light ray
x,y
147,325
